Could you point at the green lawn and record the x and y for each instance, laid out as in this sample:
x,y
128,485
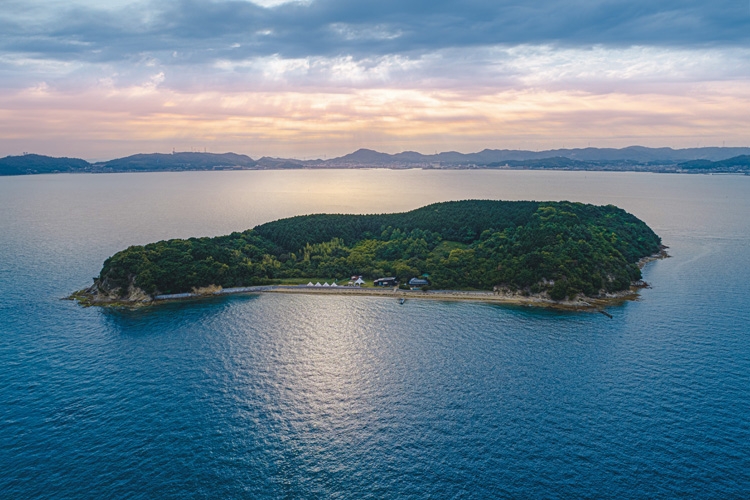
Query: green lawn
x,y
305,281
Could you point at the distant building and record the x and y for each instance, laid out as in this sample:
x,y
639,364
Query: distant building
x,y
391,281
418,282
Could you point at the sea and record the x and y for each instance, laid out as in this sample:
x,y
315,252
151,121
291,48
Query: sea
x,y
309,396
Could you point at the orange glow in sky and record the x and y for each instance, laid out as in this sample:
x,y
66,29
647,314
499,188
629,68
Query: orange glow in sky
x,y
233,76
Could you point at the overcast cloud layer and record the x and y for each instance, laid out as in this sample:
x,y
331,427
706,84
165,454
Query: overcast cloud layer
x,y
326,76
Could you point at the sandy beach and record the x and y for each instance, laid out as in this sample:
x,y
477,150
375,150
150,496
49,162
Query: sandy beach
x,y
460,295
580,304
137,298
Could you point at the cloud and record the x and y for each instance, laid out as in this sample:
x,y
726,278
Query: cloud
x,y
334,74
206,30
218,42
112,122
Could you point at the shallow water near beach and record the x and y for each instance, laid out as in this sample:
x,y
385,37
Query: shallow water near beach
x,y
310,396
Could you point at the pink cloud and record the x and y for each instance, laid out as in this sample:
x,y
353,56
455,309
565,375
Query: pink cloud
x,y
108,122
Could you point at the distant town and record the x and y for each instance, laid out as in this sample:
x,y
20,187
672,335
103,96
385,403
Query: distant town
x,y
634,158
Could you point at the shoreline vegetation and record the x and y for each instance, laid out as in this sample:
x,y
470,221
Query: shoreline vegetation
x,y
550,254
580,303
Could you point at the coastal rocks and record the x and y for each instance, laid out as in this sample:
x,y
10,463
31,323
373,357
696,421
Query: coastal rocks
x,y
100,294
135,294
661,254
207,290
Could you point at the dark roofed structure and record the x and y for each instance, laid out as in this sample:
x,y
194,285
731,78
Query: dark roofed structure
x,y
391,281
417,282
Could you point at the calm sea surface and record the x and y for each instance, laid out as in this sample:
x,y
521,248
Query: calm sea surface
x,y
278,396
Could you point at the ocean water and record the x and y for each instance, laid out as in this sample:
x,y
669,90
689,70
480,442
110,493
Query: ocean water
x,y
273,396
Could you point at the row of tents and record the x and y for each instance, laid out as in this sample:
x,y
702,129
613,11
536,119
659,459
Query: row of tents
x,y
356,281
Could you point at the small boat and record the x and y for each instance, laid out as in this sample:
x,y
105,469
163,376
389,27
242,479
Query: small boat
x,y
402,301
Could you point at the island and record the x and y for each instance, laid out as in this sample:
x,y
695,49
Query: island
x,y
542,253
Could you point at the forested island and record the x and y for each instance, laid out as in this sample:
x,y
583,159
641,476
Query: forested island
x,y
556,250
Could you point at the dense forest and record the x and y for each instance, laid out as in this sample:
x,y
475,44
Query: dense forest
x,y
561,248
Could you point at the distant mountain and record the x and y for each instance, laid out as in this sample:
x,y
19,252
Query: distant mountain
x,y
630,158
638,154
155,162
176,161
557,162
38,164
738,163
365,157
278,163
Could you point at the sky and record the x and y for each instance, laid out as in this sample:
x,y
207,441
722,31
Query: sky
x,y
322,78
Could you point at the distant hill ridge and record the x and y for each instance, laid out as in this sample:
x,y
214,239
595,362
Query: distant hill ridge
x,y
39,164
630,158
487,156
177,161
742,161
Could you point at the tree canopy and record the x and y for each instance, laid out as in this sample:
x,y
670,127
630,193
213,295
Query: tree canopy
x,y
561,248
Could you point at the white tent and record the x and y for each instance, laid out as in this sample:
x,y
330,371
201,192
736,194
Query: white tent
x,y
334,284
359,282
310,284
326,284
318,284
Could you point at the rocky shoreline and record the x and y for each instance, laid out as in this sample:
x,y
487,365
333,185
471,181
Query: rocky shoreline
x,y
138,299
95,296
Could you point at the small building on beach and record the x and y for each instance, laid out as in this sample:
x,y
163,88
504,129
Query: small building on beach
x,y
390,281
418,282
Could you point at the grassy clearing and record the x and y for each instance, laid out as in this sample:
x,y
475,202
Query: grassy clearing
x,y
305,281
